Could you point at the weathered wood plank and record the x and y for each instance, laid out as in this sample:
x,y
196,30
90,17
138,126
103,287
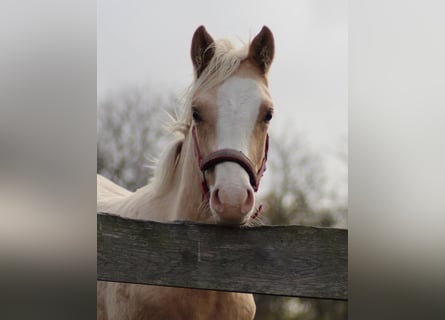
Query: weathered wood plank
x,y
278,260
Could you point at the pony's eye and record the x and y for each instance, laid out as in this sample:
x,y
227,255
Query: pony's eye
x,y
196,116
268,116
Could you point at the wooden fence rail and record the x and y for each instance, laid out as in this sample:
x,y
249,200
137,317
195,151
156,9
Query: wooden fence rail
x,y
277,260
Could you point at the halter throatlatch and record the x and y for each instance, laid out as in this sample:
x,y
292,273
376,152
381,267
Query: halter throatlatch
x,y
230,155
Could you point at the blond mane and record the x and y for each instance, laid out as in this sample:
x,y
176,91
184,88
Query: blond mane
x,y
224,63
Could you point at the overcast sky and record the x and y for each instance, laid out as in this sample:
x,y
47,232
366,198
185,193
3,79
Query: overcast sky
x,y
148,43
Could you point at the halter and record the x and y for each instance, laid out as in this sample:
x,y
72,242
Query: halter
x,y
229,155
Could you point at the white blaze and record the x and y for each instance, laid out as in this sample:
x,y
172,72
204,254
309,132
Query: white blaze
x,y
238,101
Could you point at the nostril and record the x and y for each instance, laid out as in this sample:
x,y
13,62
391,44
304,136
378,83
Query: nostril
x,y
248,203
232,201
216,193
249,194
215,198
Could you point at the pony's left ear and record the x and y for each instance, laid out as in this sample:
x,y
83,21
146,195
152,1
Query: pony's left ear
x,y
262,49
202,51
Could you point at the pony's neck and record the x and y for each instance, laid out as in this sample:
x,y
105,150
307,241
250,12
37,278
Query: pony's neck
x,y
188,197
182,200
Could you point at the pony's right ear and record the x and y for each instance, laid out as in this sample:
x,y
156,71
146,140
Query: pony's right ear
x,y
202,51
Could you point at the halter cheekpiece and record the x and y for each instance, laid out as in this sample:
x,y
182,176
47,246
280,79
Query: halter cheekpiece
x,y
229,155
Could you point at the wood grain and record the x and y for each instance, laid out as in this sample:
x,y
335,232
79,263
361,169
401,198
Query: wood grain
x,y
277,260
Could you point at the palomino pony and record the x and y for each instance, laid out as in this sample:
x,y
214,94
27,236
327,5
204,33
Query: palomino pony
x,y
209,174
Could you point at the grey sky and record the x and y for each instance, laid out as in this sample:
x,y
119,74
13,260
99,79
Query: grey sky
x,y
148,43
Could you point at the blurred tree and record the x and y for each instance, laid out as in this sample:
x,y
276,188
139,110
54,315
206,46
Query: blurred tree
x,y
130,134
298,192
130,131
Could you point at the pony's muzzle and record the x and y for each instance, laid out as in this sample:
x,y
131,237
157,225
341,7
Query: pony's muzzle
x,y
232,204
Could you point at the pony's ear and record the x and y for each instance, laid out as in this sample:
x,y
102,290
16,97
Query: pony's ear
x,y
262,48
202,51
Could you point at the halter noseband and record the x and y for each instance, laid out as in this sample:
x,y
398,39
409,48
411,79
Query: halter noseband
x,y
229,155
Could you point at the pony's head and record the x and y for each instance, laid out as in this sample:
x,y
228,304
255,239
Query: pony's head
x,y
230,111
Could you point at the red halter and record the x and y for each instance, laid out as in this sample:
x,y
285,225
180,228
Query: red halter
x,y
229,155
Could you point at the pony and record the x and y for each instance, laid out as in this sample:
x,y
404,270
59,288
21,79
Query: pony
x,y
208,174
